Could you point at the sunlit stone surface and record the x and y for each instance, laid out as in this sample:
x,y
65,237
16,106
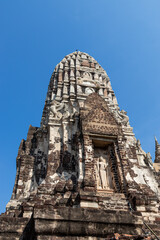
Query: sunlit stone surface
x,y
82,174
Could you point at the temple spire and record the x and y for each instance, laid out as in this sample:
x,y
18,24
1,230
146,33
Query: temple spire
x,y
157,151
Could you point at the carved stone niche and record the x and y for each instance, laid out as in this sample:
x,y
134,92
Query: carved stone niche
x,y
104,174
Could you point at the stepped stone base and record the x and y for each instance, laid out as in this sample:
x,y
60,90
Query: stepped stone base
x,y
70,223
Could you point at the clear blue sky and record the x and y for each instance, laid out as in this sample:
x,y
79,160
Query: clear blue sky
x,y
122,35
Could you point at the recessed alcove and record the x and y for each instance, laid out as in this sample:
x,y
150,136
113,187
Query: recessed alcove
x,y
103,163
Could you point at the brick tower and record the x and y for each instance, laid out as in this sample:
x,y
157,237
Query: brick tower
x,y
82,174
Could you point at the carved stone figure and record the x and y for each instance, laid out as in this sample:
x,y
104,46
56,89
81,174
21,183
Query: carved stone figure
x,y
138,145
102,174
124,117
141,155
87,81
139,148
56,108
66,113
148,160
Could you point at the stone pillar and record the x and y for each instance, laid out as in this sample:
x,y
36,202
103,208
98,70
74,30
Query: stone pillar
x,y
89,180
81,167
59,92
66,136
55,136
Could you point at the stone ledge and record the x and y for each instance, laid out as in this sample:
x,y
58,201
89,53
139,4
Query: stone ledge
x,y
73,228
13,224
87,215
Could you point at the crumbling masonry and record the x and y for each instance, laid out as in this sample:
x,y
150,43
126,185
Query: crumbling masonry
x,y
82,174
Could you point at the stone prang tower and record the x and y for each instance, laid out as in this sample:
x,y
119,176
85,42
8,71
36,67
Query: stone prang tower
x,y
82,174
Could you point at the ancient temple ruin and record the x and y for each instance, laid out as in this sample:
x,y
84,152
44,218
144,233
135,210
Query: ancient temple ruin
x,y
82,174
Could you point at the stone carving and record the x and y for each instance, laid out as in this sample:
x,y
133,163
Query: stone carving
x,y
55,110
87,75
75,110
124,118
66,113
89,90
140,153
139,148
138,145
102,174
148,160
61,110
87,81
121,117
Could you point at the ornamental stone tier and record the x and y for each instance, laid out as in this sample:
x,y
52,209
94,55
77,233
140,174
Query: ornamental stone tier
x,y
82,174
